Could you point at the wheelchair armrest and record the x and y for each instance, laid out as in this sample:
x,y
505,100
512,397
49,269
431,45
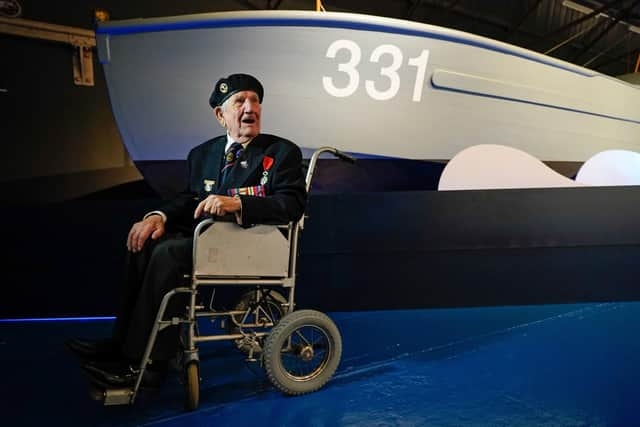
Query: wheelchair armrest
x,y
201,227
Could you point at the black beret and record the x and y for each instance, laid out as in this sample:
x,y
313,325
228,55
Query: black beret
x,y
227,86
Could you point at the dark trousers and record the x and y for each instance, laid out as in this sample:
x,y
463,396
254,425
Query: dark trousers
x,y
150,274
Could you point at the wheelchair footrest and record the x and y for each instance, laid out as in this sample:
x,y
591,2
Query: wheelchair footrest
x,y
117,396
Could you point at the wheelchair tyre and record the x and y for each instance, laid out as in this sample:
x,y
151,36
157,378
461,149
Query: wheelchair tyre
x,y
192,385
302,352
273,306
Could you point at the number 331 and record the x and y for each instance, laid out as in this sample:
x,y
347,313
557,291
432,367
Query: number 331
x,y
390,72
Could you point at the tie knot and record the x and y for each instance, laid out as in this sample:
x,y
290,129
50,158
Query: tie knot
x,y
235,146
234,151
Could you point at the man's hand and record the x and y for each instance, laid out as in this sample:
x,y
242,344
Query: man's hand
x,y
152,226
217,205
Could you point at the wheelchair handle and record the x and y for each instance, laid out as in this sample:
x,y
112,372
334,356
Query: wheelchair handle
x,y
344,157
314,159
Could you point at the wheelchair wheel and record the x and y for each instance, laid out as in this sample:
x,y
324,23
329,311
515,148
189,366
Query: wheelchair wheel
x,y
302,352
192,385
270,310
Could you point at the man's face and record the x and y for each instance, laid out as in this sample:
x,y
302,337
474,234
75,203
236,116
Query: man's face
x,y
240,115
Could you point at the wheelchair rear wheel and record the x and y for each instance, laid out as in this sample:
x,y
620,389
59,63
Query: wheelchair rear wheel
x,y
192,385
302,352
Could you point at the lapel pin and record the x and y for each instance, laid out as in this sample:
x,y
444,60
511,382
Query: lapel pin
x,y
208,184
244,164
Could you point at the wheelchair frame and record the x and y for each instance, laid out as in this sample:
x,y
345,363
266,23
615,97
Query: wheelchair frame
x,y
284,337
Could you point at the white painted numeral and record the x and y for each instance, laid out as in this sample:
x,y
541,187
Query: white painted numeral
x,y
420,62
391,72
346,67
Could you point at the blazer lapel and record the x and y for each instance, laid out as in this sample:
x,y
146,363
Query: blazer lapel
x,y
213,163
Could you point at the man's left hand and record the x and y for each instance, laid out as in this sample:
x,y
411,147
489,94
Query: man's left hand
x,y
218,205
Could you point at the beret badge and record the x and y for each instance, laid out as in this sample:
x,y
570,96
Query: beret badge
x,y
227,86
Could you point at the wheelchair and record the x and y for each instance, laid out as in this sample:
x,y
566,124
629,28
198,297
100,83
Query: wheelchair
x,y
299,350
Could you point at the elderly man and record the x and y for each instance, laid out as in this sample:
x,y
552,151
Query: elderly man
x,y
256,178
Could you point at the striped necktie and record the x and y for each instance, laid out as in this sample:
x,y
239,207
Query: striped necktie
x,y
232,154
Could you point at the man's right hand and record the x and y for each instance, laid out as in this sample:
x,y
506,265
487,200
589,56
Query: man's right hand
x,y
152,226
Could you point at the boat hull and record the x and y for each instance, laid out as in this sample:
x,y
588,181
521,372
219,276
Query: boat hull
x,y
367,85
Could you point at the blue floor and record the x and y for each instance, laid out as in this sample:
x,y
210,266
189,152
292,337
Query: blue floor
x,y
560,365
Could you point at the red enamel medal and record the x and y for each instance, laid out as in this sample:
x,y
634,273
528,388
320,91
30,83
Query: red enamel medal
x,y
267,162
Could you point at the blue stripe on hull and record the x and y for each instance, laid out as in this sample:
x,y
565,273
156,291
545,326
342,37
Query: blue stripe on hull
x,y
324,23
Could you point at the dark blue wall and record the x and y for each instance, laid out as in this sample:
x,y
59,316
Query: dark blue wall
x,y
361,251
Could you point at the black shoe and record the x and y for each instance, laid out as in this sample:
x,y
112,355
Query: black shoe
x,y
93,349
116,363
125,375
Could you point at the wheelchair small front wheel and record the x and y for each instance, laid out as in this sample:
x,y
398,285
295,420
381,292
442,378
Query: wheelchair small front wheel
x,y
302,352
192,385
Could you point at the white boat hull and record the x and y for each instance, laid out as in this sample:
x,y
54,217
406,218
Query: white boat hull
x,y
367,85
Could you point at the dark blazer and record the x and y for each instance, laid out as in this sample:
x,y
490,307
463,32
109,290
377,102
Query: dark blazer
x,y
285,187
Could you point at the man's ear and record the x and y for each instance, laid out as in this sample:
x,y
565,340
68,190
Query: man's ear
x,y
218,113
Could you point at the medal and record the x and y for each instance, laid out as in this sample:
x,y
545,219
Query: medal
x,y
267,162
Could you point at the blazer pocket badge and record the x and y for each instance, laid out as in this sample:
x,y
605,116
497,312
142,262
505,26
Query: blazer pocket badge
x,y
256,190
209,184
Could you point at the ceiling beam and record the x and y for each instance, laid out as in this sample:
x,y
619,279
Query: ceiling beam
x,y
413,7
522,20
572,38
464,13
631,53
608,49
578,21
249,5
453,4
619,16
